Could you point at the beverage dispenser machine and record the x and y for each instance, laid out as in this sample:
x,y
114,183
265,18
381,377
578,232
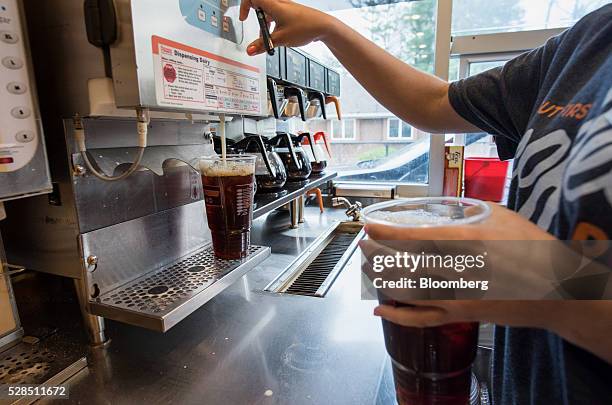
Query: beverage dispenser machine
x,y
128,90
23,161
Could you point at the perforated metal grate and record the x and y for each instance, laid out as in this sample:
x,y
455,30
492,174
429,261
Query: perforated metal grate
x,y
26,367
162,290
317,272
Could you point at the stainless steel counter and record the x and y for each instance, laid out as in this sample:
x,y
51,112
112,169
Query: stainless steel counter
x,y
245,346
250,347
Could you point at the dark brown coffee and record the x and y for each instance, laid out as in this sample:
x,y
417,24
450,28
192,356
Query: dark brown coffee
x,y
431,366
295,173
228,193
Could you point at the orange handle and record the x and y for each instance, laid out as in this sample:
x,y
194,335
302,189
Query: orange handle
x,y
322,134
317,191
336,101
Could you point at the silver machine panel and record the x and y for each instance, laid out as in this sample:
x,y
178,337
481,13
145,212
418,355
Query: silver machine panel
x,y
24,170
185,63
23,160
187,55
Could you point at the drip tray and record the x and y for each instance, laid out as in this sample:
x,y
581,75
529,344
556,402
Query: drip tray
x,y
162,298
51,362
314,271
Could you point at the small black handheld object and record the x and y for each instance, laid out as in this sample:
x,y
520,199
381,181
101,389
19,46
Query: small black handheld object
x,y
265,31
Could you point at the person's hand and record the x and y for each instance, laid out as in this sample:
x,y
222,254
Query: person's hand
x,y
515,269
295,25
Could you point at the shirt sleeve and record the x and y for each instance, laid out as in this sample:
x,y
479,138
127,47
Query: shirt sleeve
x,y
501,101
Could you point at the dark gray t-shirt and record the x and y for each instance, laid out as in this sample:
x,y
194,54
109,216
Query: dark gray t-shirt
x,y
551,111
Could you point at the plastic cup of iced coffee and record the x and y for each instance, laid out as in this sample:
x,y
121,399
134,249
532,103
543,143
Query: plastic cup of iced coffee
x,y
229,186
430,365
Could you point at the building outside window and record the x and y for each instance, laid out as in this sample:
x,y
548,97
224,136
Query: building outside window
x,y
344,129
397,129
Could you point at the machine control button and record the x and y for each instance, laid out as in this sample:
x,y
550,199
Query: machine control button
x,y
201,15
25,136
16,88
12,62
21,112
214,21
9,37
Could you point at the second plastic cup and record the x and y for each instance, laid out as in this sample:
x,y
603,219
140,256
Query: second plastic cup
x,y
229,186
431,366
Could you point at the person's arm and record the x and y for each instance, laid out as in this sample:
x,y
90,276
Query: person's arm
x,y
416,97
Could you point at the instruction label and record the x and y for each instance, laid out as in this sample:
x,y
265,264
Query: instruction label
x,y
186,77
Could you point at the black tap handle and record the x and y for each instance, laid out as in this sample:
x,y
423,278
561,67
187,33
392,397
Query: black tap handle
x,y
273,92
265,31
297,163
264,153
301,97
317,95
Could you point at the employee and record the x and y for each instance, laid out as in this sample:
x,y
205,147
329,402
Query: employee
x,y
551,110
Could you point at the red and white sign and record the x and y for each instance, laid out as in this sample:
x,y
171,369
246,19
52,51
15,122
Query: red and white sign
x,y
186,77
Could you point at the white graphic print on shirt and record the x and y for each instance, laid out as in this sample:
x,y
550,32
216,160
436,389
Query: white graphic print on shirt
x,y
587,157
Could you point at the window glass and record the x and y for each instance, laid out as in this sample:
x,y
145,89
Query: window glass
x,y
349,129
394,128
373,147
490,16
406,130
337,129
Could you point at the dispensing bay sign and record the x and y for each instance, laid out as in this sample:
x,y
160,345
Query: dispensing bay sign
x,y
190,78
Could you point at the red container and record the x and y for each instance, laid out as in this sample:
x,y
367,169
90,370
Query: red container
x,y
485,178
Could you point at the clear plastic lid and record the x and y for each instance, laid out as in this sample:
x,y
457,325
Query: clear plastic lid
x,y
427,212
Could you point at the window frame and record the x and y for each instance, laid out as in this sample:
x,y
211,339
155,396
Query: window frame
x,y
468,48
342,123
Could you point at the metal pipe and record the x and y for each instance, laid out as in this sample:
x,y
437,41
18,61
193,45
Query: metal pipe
x,y
293,213
300,202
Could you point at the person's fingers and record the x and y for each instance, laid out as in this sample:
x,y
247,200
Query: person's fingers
x,y
257,47
466,310
245,8
385,232
370,248
420,317
246,5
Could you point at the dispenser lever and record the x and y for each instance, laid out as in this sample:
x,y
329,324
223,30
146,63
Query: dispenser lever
x,y
317,95
265,31
301,98
273,92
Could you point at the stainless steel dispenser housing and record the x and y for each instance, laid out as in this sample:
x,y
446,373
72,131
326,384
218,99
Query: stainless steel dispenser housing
x,y
138,249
